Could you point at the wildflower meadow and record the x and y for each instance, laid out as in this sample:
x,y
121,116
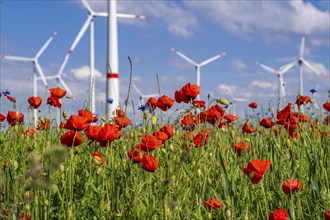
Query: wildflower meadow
x,y
204,162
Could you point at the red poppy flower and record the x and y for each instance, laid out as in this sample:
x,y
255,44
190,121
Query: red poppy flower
x,y
168,129
279,214
98,159
230,118
327,214
253,105
35,101
77,123
152,103
164,103
89,115
108,134
149,163
2,117
326,120
266,123
14,117
10,98
213,204
44,124
326,106
256,169
241,146
189,121
71,138
54,101
92,132
301,117
30,132
136,155
284,114
302,100
122,121
187,93
57,92
120,113
291,185
199,104
201,138
247,128
148,143
162,136
213,115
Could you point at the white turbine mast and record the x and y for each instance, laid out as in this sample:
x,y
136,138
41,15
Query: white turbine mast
x,y
34,60
279,72
112,67
89,23
143,96
300,61
197,65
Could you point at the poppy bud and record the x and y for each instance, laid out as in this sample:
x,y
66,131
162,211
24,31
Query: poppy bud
x,y
228,213
171,148
27,207
46,202
246,217
64,114
62,168
154,119
98,159
199,173
69,213
223,101
164,151
15,165
99,170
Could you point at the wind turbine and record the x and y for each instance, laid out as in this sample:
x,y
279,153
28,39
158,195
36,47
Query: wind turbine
x,y
234,100
34,59
90,23
143,96
112,84
279,72
198,65
300,61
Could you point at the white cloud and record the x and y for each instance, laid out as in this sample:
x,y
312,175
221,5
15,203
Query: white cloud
x,y
238,64
83,72
263,85
244,18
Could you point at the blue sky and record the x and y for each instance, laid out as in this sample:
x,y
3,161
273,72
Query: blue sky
x,y
265,31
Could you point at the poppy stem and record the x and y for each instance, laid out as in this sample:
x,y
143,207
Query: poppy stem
x,y
130,81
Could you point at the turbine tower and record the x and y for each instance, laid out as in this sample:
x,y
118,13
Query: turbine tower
x,y
112,85
279,72
198,65
34,60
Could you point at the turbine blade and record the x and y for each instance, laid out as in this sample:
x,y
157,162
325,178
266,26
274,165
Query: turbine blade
x,y
150,95
74,44
184,57
241,100
287,67
87,6
137,90
311,67
212,59
43,48
65,85
120,15
265,67
302,45
25,59
101,14
41,73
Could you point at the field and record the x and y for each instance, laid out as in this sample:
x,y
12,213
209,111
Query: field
x,y
202,164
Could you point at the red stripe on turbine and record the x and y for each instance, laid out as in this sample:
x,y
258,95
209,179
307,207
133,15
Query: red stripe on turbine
x,y
70,52
112,75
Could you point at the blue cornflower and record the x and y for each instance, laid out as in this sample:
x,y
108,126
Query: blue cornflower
x,y
142,107
5,93
126,102
109,100
226,106
313,91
